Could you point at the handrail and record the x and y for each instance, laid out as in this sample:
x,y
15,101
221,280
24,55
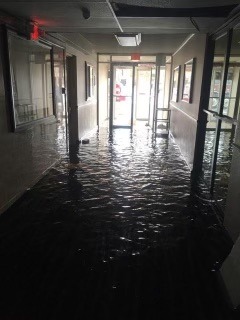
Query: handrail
x,y
222,117
224,98
213,113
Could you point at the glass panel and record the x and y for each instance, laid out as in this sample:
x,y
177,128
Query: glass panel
x,y
31,80
143,92
148,59
217,73
224,159
163,94
121,59
167,85
128,59
104,58
231,101
58,67
152,96
161,88
209,148
122,95
168,59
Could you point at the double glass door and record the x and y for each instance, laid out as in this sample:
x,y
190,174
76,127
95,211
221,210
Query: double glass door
x,y
132,93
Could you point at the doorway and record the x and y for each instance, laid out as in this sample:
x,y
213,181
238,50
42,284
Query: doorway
x,y
132,94
122,87
145,78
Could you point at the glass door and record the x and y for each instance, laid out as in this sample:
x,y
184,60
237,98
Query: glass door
x,y
122,83
143,92
223,110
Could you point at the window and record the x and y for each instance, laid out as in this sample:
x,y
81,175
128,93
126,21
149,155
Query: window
x,y
31,79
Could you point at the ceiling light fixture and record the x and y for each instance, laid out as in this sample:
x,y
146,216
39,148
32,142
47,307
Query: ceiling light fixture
x,y
128,39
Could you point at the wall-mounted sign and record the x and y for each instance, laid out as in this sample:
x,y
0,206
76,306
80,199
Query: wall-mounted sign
x,y
135,57
188,81
175,84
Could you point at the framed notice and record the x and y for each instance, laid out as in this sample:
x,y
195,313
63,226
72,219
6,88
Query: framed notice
x,y
175,85
188,80
89,81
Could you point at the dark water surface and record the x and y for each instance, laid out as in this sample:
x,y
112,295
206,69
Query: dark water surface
x,y
116,231
224,160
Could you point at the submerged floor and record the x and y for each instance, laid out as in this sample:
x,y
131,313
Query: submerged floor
x,y
114,232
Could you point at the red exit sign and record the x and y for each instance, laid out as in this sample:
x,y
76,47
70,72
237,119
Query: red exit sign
x,y
36,33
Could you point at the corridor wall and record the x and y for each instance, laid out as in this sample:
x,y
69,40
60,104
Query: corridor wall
x,y
184,116
86,109
26,154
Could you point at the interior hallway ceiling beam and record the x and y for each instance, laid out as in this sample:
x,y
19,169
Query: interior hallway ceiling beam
x,y
126,10
114,15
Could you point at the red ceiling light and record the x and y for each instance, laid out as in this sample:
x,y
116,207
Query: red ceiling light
x,y
135,57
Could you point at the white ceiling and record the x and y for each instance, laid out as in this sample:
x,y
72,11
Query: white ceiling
x,y
65,17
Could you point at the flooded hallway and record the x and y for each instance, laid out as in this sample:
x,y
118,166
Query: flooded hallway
x,y
119,166
117,233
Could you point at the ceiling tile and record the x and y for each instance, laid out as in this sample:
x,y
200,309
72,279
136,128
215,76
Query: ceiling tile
x,y
153,23
106,43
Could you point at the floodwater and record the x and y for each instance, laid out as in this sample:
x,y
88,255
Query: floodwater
x,y
117,230
224,159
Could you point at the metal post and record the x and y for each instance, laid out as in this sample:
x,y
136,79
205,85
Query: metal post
x,y
111,99
133,94
219,121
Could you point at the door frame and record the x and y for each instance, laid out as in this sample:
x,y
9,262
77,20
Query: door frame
x,y
218,115
71,70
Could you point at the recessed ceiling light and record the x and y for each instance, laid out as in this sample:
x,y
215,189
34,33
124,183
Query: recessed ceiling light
x,y
128,39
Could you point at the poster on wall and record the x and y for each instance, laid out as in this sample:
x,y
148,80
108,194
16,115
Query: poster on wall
x,y
175,85
188,81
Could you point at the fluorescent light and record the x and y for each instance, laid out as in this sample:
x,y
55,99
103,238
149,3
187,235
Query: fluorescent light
x,y
128,39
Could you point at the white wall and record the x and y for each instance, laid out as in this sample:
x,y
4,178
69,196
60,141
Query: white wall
x,y
184,116
87,110
26,155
